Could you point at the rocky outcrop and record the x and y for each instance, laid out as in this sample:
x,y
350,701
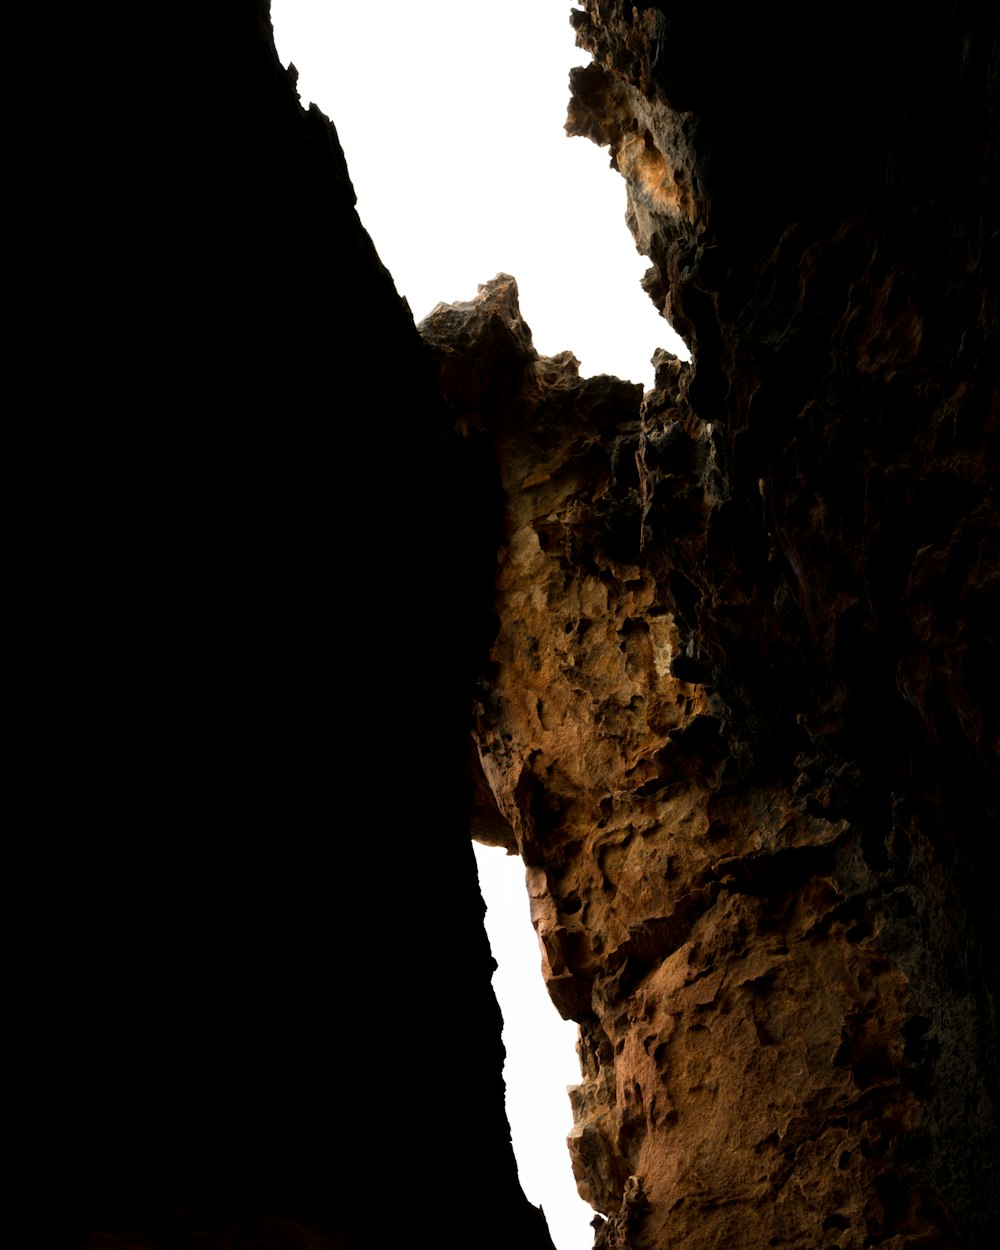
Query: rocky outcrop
x,y
739,713
733,677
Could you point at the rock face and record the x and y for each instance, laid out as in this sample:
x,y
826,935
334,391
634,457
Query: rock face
x,y
739,715
260,1010
733,676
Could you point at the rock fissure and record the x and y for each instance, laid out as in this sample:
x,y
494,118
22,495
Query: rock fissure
x,y
718,661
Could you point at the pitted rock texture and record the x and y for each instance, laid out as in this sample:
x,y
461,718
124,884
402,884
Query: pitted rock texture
x,y
736,674
740,710
583,701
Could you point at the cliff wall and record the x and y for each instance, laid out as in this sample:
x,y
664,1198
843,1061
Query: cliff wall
x,y
730,649
740,712
258,1005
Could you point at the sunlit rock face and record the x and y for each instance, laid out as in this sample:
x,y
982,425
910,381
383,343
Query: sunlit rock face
x,y
739,715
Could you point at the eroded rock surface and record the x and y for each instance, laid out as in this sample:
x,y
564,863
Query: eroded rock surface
x,y
739,714
259,1011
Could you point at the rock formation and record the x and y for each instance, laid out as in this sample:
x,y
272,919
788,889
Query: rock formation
x,y
730,649
260,1010
740,716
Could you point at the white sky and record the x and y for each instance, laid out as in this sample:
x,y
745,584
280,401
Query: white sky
x,y
451,113
541,1054
451,116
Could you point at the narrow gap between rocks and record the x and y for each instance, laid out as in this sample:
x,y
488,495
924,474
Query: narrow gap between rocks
x,y
452,122
541,1054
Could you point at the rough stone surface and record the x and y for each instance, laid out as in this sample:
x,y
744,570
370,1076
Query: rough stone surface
x,y
740,710
734,675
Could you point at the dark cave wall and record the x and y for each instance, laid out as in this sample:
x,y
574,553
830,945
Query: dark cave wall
x,y
746,740
255,685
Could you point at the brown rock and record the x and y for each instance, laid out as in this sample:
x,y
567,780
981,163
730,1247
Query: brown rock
x,y
735,671
739,712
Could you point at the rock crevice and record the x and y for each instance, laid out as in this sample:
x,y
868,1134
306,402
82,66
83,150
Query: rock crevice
x,y
730,648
